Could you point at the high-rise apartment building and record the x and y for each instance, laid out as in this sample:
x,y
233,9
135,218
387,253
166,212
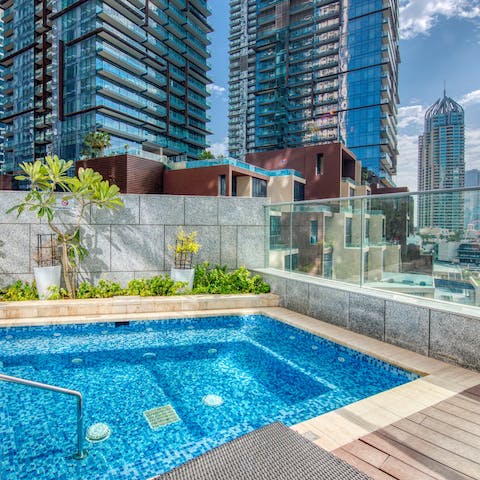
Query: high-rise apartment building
x,y
2,126
441,165
136,69
304,72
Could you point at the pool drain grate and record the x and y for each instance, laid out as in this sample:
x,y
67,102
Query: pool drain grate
x,y
161,416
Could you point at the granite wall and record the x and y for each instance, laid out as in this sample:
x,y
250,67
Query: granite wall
x,y
437,329
133,242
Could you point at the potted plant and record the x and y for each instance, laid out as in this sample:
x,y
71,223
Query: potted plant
x,y
185,248
47,273
87,188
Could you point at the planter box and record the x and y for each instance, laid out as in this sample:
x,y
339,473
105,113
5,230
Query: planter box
x,y
72,311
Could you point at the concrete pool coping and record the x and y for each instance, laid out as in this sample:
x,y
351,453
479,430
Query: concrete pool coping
x,y
337,428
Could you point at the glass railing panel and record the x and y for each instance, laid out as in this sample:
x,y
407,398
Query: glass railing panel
x,y
422,244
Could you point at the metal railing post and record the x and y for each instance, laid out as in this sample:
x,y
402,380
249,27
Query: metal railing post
x,y
81,453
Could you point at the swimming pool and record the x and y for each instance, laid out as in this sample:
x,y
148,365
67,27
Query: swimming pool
x,y
218,377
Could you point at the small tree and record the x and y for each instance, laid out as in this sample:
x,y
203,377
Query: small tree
x,y
96,142
86,189
206,155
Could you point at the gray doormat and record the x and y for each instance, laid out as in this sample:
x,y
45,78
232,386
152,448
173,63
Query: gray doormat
x,y
274,452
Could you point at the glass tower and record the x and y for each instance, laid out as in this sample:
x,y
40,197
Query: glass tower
x,y
2,126
136,69
441,165
308,72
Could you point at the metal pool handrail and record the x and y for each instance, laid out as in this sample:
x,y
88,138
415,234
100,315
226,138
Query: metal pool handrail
x,y
81,453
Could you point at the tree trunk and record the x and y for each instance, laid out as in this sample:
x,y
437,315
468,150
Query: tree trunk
x,y
69,283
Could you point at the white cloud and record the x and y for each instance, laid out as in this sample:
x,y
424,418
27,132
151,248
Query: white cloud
x,y
407,162
419,16
216,90
411,115
472,148
219,148
470,98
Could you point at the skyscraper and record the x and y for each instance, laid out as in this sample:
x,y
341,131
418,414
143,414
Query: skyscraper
x,y
2,126
308,72
136,69
441,165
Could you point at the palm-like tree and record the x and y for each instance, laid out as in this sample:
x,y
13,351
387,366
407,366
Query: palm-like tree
x,y
96,142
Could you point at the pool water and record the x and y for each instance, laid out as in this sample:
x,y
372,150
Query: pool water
x,y
222,376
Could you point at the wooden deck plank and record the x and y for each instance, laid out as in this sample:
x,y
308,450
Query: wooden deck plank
x,y
443,441
408,455
398,469
458,434
441,455
473,390
453,420
465,403
361,465
458,411
366,452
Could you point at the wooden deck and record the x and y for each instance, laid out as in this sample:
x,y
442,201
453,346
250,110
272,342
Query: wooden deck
x,y
439,442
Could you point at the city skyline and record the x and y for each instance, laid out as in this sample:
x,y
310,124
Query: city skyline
x,y
438,43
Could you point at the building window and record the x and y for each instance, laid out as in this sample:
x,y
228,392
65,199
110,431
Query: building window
x,y
348,232
298,192
222,185
313,232
319,164
367,229
259,187
234,186
351,192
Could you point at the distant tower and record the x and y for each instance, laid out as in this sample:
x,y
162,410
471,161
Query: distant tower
x,y
441,165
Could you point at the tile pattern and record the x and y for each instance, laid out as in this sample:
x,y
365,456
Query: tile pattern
x,y
264,371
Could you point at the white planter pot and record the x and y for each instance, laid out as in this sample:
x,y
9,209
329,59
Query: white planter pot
x,y
183,275
47,277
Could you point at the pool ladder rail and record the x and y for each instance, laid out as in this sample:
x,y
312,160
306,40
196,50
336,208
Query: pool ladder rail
x,y
81,453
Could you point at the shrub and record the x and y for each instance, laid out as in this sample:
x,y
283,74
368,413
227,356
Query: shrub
x,y
155,286
218,280
104,289
19,291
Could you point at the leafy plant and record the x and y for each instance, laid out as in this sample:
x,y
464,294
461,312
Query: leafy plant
x,y
185,247
155,286
56,293
96,142
206,155
104,289
19,291
218,280
86,189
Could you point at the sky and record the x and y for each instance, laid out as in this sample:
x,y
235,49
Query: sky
x,y
439,46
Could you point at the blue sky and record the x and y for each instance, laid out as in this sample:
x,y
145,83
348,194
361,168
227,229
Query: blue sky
x,y
440,43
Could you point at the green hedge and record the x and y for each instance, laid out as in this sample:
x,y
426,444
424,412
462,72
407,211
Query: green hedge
x,y
207,280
